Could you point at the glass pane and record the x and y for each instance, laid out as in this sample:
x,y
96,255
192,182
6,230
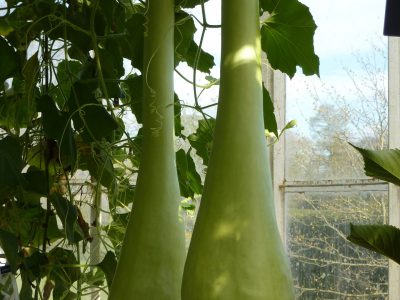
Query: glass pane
x,y
324,264
348,103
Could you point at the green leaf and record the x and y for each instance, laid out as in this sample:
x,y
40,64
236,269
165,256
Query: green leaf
x,y
114,13
382,164
35,263
68,72
205,62
383,239
108,266
188,206
134,87
189,179
57,125
68,215
183,35
186,48
35,181
63,272
10,163
203,138
112,67
116,230
9,244
177,112
24,221
132,45
7,287
9,62
89,115
287,36
100,166
5,27
269,116
17,106
121,194
31,74
26,289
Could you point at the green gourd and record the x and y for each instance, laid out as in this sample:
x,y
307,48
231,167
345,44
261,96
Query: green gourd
x,y
153,252
236,251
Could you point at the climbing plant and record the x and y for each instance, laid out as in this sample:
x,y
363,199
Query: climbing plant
x,y
71,72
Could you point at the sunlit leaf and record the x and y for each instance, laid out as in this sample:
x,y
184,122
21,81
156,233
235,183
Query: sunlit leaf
x,y
382,164
287,36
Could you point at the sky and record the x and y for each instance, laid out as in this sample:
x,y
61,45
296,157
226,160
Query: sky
x,y
347,31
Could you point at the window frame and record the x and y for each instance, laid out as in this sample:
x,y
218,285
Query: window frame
x,y
276,83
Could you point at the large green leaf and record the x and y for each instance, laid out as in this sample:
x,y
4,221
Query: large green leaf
x,y
382,164
203,138
383,239
287,36
9,62
189,179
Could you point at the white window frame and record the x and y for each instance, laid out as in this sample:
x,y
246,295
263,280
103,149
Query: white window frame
x,y
275,82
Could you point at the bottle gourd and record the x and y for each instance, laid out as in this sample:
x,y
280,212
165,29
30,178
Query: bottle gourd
x,y
236,252
153,253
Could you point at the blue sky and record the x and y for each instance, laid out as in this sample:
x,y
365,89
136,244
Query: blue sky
x,y
347,31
